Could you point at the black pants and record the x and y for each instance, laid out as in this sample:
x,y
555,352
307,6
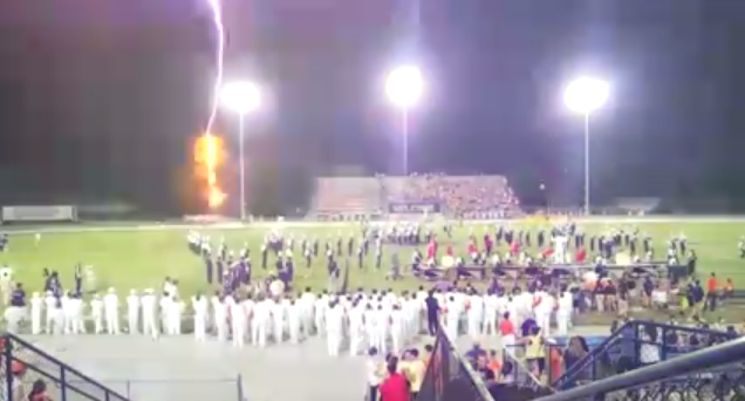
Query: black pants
x,y
432,324
372,393
711,300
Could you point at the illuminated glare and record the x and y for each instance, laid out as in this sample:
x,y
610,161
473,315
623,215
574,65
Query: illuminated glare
x,y
209,156
241,97
216,198
585,95
404,86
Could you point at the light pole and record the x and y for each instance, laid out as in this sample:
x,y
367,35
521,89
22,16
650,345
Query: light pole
x,y
241,97
584,96
404,88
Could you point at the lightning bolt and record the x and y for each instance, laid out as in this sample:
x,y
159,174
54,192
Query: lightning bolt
x,y
215,195
216,9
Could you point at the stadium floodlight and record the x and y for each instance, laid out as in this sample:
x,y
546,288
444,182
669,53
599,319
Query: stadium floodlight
x,y
584,96
404,86
241,97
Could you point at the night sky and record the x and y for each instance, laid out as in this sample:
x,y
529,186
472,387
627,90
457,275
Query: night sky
x,y
100,99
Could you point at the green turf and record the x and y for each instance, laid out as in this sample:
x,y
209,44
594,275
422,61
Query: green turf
x,y
141,259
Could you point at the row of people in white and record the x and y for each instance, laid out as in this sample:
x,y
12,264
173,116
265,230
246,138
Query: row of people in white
x,y
482,312
146,313
364,319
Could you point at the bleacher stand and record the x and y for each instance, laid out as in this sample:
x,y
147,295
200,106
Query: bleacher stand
x,y
487,196
348,198
470,197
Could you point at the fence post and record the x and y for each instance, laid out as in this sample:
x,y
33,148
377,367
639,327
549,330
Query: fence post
x,y
8,355
240,387
63,383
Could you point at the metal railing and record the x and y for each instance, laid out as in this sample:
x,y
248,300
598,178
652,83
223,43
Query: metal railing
x,y
23,364
713,374
628,348
228,389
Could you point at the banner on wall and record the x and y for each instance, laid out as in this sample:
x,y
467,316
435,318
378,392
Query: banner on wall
x,y
414,207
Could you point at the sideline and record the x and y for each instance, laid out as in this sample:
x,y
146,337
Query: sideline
x,y
86,227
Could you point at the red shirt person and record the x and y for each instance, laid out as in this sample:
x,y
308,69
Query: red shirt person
x,y
395,387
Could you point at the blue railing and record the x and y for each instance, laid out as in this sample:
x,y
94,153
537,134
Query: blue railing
x,y
715,373
24,363
624,350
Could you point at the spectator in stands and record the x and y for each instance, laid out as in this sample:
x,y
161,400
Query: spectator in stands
x,y
507,375
556,360
535,351
711,292
416,371
428,350
495,363
374,374
395,387
574,353
650,348
39,391
17,390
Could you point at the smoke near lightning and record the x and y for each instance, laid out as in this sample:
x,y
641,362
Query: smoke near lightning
x,y
209,152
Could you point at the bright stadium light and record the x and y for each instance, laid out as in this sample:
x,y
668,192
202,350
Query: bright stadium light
x,y
404,86
241,97
584,96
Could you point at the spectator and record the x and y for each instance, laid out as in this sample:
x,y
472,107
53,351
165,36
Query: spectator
x,y
428,350
416,369
374,374
575,352
395,387
39,391
17,390
650,349
465,196
535,351
711,293
556,360
507,375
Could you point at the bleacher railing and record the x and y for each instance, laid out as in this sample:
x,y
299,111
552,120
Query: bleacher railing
x,y
449,376
716,373
631,347
229,389
22,364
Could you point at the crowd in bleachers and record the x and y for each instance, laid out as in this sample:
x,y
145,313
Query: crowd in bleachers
x,y
463,196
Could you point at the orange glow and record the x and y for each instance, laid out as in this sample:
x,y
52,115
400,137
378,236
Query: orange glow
x,y
209,156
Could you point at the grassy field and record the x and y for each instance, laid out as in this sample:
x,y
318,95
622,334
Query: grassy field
x,y
141,259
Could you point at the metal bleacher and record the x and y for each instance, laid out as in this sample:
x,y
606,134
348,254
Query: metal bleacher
x,y
23,361
713,373
348,195
624,350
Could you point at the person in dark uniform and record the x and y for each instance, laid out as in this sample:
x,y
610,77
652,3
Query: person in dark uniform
x,y
78,276
16,312
433,313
